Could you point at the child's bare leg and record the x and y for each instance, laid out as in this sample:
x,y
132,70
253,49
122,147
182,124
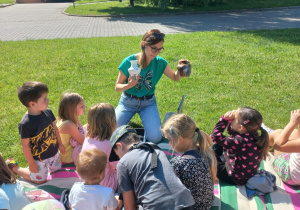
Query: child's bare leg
x,y
25,173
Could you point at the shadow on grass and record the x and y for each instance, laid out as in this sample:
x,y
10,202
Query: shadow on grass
x,y
224,21
136,10
278,35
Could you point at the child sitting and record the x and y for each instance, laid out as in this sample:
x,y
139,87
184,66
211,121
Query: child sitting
x,y
4,200
287,150
145,174
39,135
11,188
71,131
89,194
101,124
197,167
244,148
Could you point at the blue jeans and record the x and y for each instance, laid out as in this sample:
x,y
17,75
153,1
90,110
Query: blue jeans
x,y
147,109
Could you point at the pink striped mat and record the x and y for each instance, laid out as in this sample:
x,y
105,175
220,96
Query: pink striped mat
x,y
227,197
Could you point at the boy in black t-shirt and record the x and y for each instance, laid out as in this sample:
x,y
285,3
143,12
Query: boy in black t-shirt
x,y
39,135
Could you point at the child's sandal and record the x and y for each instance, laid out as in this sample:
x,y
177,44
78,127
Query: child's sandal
x,y
11,163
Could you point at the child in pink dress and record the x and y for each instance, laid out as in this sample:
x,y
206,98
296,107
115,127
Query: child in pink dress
x,y
100,126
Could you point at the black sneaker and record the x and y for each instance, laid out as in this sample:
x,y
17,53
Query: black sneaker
x,y
64,199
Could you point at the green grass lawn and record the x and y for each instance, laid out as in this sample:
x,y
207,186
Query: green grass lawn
x,y
7,2
121,8
259,69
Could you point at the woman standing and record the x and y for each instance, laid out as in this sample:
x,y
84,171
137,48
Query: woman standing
x,y
138,90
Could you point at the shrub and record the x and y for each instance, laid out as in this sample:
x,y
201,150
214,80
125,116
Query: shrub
x,y
163,4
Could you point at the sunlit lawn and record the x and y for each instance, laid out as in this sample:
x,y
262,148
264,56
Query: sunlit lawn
x,y
259,69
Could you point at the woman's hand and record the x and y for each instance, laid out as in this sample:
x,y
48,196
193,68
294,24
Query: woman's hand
x,y
182,61
133,80
230,115
295,117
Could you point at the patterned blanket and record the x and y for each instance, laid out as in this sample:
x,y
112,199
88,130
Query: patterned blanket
x,y
226,196
235,197
57,182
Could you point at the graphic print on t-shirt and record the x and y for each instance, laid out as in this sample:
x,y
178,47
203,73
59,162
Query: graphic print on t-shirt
x,y
42,142
145,81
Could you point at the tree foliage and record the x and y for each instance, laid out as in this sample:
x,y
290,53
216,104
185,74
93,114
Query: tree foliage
x,y
177,3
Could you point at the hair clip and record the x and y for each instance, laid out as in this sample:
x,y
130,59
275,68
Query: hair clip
x,y
246,121
156,36
171,129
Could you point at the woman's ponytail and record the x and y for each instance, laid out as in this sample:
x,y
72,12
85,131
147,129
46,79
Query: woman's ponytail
x,y
142,58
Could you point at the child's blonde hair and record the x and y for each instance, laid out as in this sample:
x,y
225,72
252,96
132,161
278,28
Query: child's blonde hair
x,y
251,119
184,126
101,121
6,175
90,163
68,107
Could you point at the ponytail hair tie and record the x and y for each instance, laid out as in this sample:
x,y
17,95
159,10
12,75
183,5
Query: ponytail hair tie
x,y
246,121
171,129
256,127
197,130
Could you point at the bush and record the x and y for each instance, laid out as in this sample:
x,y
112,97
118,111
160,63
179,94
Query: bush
x,y
163,4
200,3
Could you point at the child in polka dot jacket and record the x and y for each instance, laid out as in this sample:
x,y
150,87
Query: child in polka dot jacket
x,y
239,155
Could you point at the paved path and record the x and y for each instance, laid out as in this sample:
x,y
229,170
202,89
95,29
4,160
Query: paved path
x,y
46,21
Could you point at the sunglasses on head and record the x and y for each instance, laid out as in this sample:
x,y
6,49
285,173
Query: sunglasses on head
x,y
156,36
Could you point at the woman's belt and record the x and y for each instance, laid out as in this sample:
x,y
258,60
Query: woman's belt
x,y
138,98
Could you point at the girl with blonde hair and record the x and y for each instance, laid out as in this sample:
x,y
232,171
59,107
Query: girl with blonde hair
x,y
101,123
71,131
197,167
